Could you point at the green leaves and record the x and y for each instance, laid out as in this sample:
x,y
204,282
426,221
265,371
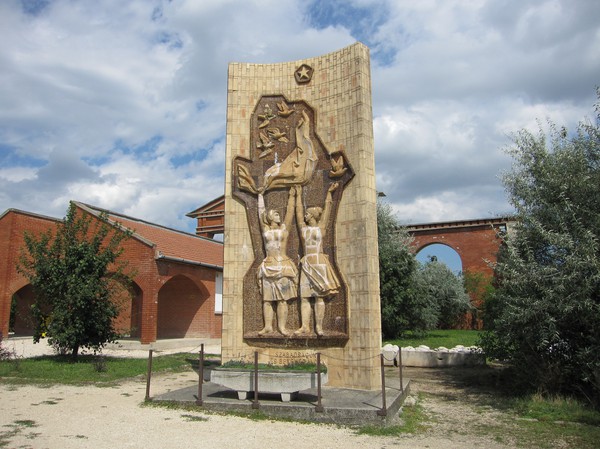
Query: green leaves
x,y
413,298
444,292
397,264
544,316
71,270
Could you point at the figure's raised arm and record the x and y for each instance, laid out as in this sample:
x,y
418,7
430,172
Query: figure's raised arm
x,y
261,211
327,209
299,207
289,211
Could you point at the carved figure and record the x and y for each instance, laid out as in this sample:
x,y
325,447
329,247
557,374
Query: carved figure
x,y
265,145
245,180
278,135
298,166
283,110
337,167
266,117
317,278
277,274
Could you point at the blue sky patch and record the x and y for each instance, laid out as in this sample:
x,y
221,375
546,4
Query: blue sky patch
x,y
362,22
443,254
34,7
157,13
97,161
143,152
199,154
171,40
9,157
184,159
201,105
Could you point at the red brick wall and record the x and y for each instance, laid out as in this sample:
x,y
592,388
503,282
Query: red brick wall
x,y
141,314
12,226
186,302
476,246
179,309
129,302
473,245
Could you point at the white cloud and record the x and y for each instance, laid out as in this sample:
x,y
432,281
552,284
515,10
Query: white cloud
x,y
122,104
17,174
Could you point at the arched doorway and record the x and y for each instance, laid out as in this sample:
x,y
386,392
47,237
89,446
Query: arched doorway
x,y
21,318
126,324
442,253
180,303
129,300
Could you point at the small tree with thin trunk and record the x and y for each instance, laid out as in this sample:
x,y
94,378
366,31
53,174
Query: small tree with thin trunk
x,y
73,272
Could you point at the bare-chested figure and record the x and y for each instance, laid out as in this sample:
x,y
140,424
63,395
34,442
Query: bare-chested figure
x,y
317,278
277,275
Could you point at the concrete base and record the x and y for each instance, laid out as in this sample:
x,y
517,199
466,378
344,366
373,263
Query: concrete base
x,y
342,406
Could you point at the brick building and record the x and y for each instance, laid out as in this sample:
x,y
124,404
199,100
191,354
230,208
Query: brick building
x,y
177,284
210,218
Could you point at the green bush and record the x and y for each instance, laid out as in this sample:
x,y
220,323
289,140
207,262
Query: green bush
x,y
544,316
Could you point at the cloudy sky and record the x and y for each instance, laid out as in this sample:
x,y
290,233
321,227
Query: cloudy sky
x,y
121,104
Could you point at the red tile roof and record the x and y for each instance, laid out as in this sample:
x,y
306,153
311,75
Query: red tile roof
x,y
169,243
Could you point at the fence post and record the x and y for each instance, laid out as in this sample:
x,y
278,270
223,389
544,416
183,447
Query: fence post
x,y
319,407
200,375
383,411
255,403
149,375
400,369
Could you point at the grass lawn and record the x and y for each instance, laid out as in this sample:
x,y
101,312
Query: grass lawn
x,y
436,338
89,368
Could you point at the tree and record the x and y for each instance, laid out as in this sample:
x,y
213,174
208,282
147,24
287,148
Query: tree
x,y
544,316
73,274
443,292
480,288
400,310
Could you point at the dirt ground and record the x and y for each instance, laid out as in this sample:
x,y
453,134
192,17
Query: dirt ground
x,y
459,416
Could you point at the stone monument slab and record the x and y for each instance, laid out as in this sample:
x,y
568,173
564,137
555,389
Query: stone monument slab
x,y
301,263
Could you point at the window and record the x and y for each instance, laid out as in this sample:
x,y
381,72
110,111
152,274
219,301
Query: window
x,y
219,292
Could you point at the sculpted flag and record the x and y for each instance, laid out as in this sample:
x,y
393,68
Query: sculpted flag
x,y
298,167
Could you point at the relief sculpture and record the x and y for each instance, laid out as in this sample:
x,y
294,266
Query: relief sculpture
x,y
277,274
317,278
294,280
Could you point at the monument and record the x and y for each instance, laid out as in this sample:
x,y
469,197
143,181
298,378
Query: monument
x,y
301,263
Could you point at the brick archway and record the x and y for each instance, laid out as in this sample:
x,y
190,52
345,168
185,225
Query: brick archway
x,y
21,315
477,243
449,255
180,309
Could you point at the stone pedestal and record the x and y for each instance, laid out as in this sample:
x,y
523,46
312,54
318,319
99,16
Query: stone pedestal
x,y
276,114
285,383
